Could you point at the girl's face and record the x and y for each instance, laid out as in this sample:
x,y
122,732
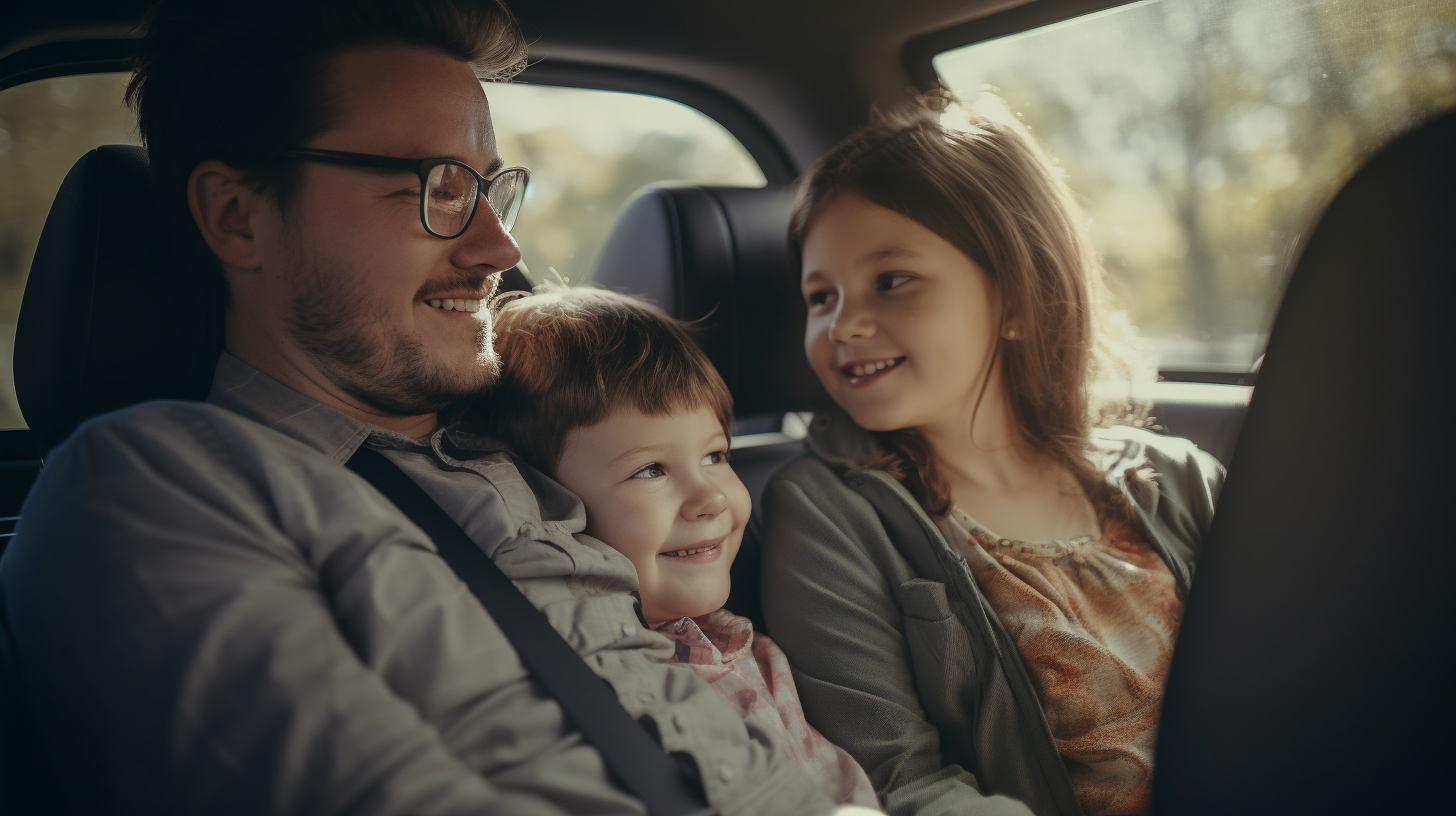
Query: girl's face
x,y
901,325
658,489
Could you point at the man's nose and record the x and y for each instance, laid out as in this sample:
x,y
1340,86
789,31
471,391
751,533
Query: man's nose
x,y
485,242
851,321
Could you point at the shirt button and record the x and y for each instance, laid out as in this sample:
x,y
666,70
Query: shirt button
x,y
626,629
725,773
677,723
527,529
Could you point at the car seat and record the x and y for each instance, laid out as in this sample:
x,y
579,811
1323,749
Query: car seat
x,y
1313,671
111,317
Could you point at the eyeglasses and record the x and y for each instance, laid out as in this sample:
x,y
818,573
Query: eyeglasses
x,y
449,189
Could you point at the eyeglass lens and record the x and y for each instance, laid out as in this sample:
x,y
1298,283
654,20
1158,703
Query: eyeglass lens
x,y
451,193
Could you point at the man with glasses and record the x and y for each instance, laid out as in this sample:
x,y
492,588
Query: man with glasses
x,y
213,614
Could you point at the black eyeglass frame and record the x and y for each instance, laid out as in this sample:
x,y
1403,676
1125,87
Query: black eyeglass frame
x,y
422,168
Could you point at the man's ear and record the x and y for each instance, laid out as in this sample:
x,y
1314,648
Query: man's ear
x,y
224,209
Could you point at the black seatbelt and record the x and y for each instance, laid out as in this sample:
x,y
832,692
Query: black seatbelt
x,y
632,756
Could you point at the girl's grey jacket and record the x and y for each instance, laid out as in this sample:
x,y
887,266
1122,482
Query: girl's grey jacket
x,y
897,655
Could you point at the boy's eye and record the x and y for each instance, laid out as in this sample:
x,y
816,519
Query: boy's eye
x,y
716,458
890,280
817,298
652,471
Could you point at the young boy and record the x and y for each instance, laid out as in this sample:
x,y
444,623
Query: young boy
x,y
610,397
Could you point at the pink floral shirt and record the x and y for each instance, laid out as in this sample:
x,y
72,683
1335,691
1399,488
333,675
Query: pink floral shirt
x,y
761,689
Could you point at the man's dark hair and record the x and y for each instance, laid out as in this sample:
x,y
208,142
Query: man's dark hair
x,y
242,82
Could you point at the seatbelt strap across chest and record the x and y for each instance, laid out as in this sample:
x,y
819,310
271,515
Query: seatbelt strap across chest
x,y
631,755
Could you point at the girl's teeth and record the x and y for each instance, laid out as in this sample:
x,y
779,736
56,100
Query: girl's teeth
x,y
686,553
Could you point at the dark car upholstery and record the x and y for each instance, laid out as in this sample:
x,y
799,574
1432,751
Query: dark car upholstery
x,y
110,317
1313,671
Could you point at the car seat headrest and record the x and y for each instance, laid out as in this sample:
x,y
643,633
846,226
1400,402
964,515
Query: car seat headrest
x,y
718,256
1323,589
110,316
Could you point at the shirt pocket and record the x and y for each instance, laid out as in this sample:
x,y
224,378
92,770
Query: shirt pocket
x,y
940,658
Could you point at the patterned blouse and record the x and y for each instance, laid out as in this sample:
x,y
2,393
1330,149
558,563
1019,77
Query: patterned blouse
x,y
761,689
1094,619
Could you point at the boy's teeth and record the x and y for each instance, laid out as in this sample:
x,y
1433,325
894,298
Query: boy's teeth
x,y
686,553
871,368
455,304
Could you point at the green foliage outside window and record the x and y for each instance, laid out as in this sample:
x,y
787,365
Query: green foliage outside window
x,y
1204,138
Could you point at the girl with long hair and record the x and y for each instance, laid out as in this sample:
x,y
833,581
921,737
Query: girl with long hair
x,y
979,569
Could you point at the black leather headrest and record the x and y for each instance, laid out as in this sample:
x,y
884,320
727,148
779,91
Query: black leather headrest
x,y
1313,672
110,316
718,255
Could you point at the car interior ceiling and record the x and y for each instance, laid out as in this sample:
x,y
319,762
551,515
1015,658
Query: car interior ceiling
x,y
789,80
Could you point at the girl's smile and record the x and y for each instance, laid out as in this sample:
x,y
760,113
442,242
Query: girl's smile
x,y
865,372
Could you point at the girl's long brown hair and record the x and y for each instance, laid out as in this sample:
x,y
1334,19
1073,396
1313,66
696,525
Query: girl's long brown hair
x,y
990,191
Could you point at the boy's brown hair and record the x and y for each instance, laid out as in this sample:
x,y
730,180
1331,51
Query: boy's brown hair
x,y
571,356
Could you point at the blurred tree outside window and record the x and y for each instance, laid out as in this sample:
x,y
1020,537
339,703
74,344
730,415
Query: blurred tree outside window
x,y
588,151
1205,137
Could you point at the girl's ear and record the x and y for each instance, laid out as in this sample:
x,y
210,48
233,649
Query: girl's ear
x,y
1010,328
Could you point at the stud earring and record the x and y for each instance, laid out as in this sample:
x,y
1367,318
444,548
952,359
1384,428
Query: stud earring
x,y
1009,334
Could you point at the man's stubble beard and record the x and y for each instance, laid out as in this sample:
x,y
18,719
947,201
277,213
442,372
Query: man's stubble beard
x,y
369,358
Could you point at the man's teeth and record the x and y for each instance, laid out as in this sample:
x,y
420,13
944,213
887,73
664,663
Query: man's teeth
x,y
686,553
861,370
455,304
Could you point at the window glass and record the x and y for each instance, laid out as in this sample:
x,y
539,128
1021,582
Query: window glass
x,y
1204,138
587,151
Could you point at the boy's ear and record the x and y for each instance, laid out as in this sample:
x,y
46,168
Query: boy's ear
x,y
224,209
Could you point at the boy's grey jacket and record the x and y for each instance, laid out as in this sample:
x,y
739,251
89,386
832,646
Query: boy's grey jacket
x,y
897,655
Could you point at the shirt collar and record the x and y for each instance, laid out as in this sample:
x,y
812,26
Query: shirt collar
x,y
246,391
711,639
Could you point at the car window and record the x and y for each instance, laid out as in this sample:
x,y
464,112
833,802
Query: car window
x,y
1204,138
588,151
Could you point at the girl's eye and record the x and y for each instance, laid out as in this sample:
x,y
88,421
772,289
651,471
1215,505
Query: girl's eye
x,y
890,280
817,298
652,471
716,458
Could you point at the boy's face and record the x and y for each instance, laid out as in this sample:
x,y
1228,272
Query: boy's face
x,y
658,489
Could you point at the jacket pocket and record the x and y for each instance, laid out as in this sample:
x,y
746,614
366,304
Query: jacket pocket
x,y
923,600
943,664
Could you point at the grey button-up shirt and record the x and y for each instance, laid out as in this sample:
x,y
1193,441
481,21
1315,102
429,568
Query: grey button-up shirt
x,y
213,615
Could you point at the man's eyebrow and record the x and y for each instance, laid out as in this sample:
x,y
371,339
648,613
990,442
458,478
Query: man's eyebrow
x,y
494,167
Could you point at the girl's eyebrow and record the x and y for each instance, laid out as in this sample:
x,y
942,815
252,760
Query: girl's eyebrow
x,y
893,252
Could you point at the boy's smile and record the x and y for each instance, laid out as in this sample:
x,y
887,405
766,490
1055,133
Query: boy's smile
x,y
658,489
